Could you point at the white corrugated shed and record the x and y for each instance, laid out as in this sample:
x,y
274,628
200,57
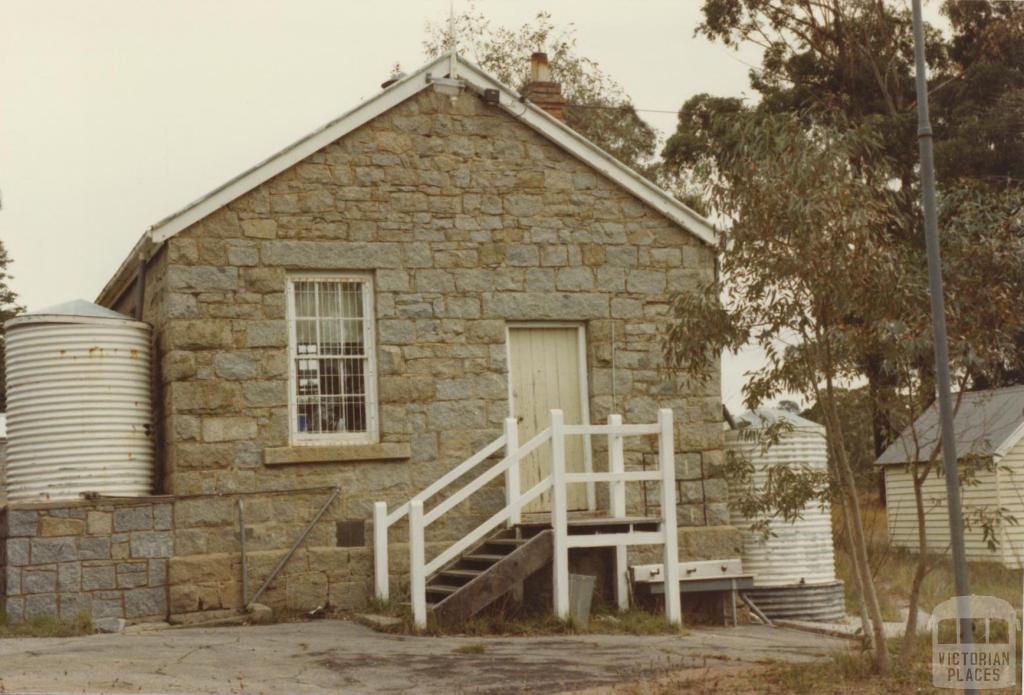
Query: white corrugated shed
x,y
989,430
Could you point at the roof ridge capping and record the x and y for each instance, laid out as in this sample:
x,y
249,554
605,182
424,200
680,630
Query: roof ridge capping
x,y
476,79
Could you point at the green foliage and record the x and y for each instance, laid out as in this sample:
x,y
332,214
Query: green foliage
x,y
798,255
978,100
596,105
855,411
772,493
850,64
9,308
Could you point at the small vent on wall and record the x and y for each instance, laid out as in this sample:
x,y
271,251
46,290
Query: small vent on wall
x,y
351,533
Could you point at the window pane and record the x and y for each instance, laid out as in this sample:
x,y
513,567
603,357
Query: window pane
x,y
308,417
355,390
330,298
305,299
330,337
351,299
305,337
330,357
353,332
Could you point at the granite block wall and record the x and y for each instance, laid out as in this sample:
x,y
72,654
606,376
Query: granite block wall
x,y
106,559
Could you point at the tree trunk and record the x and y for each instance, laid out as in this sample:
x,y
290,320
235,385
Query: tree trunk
x,y
858,543
862,607
910,634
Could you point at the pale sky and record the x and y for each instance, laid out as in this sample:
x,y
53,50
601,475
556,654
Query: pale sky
x,y
116,113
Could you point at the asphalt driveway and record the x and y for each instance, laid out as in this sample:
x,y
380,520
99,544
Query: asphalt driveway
x,y
342,657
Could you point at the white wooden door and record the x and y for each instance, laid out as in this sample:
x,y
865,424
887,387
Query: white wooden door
x,y
545,373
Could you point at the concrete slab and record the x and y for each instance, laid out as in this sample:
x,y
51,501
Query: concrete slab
x,y
340,656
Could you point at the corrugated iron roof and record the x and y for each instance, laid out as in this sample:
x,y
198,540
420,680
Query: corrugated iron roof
x,y
769,416
78,307
987,424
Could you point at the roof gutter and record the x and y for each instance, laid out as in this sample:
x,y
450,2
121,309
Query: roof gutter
x,y
129,271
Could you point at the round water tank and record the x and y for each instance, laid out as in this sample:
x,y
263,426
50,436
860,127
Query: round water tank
x,y
799,553
78,404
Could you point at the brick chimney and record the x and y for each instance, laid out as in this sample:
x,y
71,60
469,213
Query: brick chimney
x,y
541,90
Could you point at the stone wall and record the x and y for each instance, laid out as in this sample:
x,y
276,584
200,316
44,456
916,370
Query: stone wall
x,y
107,559
206,572
467,220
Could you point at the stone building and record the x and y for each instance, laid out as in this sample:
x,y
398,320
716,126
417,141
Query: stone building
x,y
363,309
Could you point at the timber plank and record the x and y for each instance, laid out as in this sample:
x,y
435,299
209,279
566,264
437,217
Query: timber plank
x,y
496,580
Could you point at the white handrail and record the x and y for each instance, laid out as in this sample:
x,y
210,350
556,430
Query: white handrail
x,y
449,477
617,501
484,478
483,529
624,477
622,430
382,521
556,483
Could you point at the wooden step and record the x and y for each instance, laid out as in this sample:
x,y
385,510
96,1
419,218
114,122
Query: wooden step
x,y
442,588
460,572
514,542
483,557
526,556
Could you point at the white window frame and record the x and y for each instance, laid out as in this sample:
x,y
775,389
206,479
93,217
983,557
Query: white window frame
x,y
372,433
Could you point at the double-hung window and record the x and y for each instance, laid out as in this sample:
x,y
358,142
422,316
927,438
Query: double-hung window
x,y
332,359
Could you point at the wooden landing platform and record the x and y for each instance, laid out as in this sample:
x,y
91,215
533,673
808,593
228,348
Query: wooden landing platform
x,y
589,523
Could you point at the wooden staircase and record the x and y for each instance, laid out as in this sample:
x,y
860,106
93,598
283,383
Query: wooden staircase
x,y
505,559
486,562
487,572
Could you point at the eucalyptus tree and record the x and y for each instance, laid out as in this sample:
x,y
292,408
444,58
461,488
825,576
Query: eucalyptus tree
x,y
9,308
805,276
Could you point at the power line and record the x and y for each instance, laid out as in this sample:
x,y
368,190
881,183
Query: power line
x,y
624,107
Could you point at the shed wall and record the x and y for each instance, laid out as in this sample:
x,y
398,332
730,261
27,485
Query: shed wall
x,y
1011,497
902,514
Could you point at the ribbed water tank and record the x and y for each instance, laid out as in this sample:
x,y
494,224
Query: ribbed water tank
x,y
78,404
800,553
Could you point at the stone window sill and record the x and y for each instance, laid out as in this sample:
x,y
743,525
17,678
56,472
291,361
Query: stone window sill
x,y
284,455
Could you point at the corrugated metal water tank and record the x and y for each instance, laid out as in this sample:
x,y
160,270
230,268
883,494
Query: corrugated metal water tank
x,y
794,569
78,404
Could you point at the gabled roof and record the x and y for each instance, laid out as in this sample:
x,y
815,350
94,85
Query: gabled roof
x,y
473,79
988,424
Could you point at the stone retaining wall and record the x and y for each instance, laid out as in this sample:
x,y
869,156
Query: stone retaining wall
x,y
107,559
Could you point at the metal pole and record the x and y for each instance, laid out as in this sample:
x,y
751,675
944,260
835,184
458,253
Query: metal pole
x,y
931,233
245,564
295,546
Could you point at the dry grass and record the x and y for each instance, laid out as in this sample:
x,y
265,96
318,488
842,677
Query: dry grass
x,y
513,620
894,569
46,627
476,648
851,672
845,673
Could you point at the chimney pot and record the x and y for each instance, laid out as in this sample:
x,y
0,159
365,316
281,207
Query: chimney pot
x,y
540,69
541,90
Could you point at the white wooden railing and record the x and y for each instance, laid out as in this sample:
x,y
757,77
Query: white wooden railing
x,y
515,500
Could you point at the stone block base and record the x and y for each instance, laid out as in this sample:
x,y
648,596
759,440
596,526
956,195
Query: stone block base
x,y
103,558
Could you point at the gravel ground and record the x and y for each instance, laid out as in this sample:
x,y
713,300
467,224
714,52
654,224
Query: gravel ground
x,y
334,656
